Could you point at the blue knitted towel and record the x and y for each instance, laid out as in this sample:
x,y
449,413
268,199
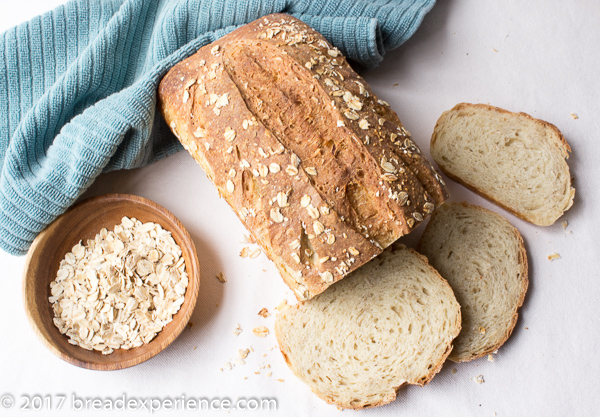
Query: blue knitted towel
x,y
78,86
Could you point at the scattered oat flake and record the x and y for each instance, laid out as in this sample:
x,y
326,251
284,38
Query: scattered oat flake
x,y
574,116
238,330
490,358
479,379
260,331
221,277
264,313
244,252
269,373
255,253
553,256
280,380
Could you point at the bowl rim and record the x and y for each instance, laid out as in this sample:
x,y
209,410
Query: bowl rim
x,y
175,332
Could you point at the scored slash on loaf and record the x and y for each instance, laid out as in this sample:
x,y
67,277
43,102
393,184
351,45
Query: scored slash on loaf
x,y
320,171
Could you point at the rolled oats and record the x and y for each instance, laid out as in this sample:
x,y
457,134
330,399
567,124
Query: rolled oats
x,y
118,290
260,331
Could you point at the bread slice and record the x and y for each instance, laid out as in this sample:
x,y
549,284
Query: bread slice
x,y
483,258
512,159
389,323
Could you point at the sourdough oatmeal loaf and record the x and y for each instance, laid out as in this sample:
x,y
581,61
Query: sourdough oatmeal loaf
x,y
319,170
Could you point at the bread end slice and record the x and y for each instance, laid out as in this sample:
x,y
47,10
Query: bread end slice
x,y
512,159
388,324
483,258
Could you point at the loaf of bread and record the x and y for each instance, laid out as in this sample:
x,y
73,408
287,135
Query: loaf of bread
x,y
319,170
483,258
512,159
389,323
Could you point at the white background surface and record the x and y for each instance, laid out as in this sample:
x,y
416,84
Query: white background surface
x,y
540,57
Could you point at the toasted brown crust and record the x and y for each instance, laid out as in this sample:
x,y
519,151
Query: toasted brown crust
x,y
258,109
524,273
561,145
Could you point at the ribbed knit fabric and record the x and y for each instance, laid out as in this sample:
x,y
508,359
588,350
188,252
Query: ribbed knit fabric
x,y
78,86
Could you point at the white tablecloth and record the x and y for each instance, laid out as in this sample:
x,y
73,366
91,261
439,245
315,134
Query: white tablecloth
x,y
538,56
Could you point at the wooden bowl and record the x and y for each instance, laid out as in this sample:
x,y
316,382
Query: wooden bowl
x,y
81,222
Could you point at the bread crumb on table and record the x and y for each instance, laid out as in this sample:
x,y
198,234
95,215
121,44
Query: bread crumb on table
x,y
574,116
283,304
238,330
243,353
264,313
479,379
221,277
553,256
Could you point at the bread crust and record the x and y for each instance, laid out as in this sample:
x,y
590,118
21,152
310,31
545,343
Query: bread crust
x,y
561,145
524,274
298,145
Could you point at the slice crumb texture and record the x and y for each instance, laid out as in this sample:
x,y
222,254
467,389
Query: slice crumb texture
x,y
389,323
483,258
510,158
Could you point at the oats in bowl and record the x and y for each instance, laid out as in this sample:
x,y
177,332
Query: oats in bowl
x,y
121,288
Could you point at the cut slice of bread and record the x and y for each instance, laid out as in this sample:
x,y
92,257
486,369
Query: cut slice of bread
x,y
512,159
389,323
483,258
